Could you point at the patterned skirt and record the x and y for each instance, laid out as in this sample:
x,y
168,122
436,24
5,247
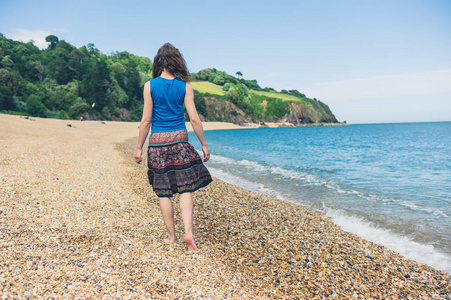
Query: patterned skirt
x,y
174,166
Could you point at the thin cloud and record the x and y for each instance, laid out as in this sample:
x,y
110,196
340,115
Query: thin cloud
x,y
408,84
25,35
60,30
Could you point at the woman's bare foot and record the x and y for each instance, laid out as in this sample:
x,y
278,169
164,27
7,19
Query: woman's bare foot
x,y
169,240
190,242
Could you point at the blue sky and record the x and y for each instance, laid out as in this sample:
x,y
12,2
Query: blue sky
x,y
370,61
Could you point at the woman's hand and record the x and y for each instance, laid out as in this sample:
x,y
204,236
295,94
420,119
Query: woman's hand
x,y
206,153
138,155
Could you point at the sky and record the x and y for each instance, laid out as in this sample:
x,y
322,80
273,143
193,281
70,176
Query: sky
x,y
370,61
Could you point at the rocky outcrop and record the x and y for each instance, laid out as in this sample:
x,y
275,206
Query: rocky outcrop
x,y
225,111
316,112
124,115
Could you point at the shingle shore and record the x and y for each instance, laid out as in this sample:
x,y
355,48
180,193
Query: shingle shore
x,y
79,220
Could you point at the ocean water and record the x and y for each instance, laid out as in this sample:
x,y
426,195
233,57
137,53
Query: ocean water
x,y
388,183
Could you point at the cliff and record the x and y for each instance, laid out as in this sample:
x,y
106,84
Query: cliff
x,y
304,114
225,111
222,97
299,113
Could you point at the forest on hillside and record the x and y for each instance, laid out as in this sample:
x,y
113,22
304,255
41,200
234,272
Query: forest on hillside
x,y
66,82
63,81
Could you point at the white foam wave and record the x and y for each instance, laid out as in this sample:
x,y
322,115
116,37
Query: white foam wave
x,y
426,254
315,180
306,178
435,212
246,184
255,166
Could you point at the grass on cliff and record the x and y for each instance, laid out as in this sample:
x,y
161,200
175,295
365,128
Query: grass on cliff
x,y
280,96
285,97
208,87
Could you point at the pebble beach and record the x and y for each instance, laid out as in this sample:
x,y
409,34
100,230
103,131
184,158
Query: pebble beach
x,y
78,220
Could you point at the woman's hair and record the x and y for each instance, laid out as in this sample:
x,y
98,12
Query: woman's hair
x,y
170,58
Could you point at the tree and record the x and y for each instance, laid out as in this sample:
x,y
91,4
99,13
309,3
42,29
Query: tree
x,y
285,92
219,80
199,102
7,62
276,108
42,72
53,40
35,106
239,74
204,74
232,95
252,84
63,97
95,84
296,93
5,77
92,48
6,98
78,107
211,77
226,87
132,82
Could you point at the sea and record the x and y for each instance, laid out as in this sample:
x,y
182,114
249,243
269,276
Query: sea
x,y
387,183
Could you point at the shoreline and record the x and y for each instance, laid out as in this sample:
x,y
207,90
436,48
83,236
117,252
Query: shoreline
x,y
208,125
227,125
79,219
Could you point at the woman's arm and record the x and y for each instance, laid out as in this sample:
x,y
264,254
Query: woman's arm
x,y
195,120
144,127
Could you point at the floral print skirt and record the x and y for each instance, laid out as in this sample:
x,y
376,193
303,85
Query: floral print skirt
x,y
174,166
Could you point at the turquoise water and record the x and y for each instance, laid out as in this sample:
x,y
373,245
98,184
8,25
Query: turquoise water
x,y
389,183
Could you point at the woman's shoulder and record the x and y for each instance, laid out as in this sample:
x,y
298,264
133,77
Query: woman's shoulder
x,y
181,83
179,80
154,82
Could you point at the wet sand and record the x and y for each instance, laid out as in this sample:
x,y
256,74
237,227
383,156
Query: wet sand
x,y
79,220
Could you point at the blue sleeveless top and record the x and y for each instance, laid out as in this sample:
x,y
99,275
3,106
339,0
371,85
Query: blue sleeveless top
x,y
168,96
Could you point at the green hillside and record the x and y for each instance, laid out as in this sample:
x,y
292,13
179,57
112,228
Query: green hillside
x,y
66,82
281,96
208,88
263,104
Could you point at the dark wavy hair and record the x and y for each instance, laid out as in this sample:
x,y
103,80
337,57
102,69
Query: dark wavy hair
x,y
170,58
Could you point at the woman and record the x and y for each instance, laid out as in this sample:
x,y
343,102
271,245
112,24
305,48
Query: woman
x,y
173,164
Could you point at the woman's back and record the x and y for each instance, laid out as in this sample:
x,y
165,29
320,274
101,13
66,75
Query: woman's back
x,y
167,97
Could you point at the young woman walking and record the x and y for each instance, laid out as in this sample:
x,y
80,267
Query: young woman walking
x,y
173,164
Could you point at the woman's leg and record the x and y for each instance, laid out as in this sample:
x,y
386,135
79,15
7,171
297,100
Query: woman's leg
x,y
167,211
186,208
